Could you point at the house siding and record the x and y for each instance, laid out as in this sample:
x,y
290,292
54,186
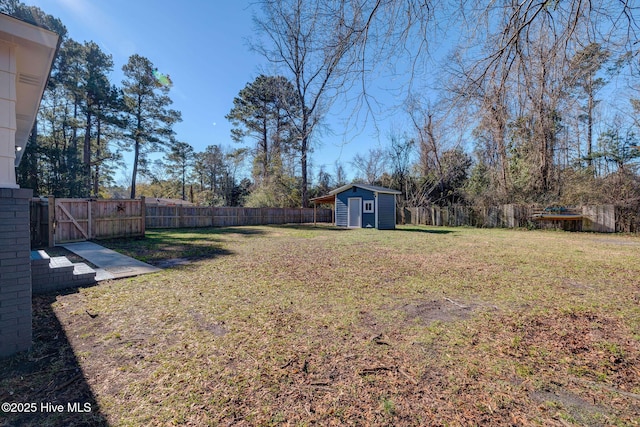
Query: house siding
x,y
386,211
368,219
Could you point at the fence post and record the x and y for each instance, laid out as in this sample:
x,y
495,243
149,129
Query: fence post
x,y
52,220
89,220
143,215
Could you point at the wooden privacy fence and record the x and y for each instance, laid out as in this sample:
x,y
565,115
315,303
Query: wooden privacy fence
x,y
160,216
55,221
506,216
604,218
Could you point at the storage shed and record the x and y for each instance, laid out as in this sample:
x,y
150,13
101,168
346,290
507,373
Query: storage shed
x,y
363,206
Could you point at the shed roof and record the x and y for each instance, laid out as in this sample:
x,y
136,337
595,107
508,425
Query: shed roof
x,y
374,188
330,199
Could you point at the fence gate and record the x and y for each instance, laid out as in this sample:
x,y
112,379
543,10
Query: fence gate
x,y
75,220
72,220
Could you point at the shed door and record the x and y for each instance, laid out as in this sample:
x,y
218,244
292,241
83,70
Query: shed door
x,y
354,212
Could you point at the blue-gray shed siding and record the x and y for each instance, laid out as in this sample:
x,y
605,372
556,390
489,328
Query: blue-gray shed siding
x,y
342,199
341,211
386,211
386,208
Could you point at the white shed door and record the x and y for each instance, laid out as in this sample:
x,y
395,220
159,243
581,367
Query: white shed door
x,y
354,210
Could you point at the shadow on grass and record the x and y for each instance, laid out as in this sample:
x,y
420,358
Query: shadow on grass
x,y
243,230
201,233
422,229
308,227
161,245
48,373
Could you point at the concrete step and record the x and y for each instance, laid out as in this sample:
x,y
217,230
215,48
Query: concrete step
x,y
56,273
60,262
83,273
39,258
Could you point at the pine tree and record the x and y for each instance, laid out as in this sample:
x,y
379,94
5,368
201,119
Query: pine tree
x,y
149,118
97,92
264,110
179,161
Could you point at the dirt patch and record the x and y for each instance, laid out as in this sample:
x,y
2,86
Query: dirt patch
x,y
573,284
216,328
369,321
579,409
443,310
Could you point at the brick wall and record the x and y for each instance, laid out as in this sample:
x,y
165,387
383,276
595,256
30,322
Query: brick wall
x,y
15,271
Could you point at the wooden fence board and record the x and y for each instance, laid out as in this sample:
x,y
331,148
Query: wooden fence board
x,y
604,219
116,218
599,218
200,216
72,220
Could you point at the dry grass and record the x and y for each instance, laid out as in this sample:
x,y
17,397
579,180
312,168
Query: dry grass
x,y
319,326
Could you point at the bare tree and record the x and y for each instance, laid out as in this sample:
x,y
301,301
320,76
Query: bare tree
x,y
430,143
519,87
339,174
371,166
311,41
327,45
400,155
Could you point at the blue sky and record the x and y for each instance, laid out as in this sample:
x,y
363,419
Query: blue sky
x,y
203,46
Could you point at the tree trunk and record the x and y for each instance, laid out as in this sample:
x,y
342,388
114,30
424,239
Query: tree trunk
x,y
303,166
304,145
498,129
86,157
265,151
96,176
184,172
590,129
136,156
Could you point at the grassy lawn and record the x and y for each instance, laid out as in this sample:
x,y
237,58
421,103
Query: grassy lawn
x,y
295,325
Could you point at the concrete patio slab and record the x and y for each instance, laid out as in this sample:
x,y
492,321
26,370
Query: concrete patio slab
x,y
111,264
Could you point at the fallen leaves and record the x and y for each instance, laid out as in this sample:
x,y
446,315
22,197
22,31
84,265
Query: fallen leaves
x,y
359,327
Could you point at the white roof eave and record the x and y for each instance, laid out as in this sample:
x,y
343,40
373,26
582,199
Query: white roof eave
x,y
367,187
34,51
